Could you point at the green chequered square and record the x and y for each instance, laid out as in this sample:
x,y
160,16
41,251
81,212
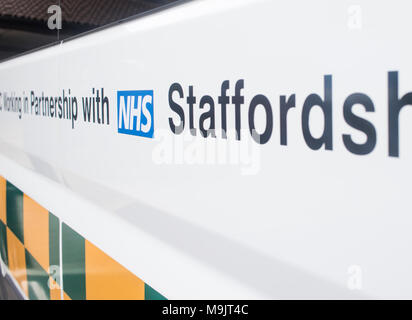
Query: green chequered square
x,y
152,294
74,270
54,248
3,243
14,203
37,278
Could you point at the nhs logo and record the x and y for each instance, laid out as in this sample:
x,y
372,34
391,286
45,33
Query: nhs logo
x,y
135,113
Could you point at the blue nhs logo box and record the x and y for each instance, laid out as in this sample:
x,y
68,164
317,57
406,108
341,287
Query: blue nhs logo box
x,y
135,113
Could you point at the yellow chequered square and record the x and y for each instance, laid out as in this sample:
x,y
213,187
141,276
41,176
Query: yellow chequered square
x,y
36,231
55,290
17,260
107,279
3,213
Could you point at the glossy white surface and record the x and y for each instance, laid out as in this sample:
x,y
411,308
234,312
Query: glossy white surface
x,y
289,230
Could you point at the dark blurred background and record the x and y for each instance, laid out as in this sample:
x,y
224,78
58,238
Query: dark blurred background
x,y
23,23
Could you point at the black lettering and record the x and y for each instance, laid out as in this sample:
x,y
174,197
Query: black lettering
x,y
359,123
86,108
224,101
176,108
326,106
265,136
60,108
105,102
74,114
238,100
191,100
394,108
207,115
98,106
285,105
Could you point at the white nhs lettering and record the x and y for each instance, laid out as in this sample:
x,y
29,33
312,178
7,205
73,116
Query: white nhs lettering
x,y
135,113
